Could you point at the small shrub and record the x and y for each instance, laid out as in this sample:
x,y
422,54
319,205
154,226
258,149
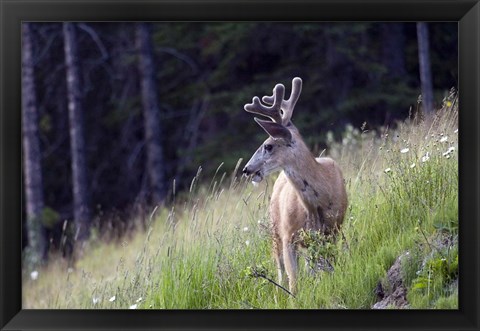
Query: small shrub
x,y
321,249
437,273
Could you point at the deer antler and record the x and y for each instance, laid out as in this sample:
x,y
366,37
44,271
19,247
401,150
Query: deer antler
x,y
287,105
274,112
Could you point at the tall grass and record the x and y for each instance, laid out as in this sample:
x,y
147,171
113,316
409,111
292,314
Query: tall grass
x,y
212,248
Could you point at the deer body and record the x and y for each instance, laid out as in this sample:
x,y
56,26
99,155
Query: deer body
x,y
309,193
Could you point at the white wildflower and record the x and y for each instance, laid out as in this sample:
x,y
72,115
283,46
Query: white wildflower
x,y
412,165
133,306
34,275
139,299
112,299
426,157
387,170
405,150
245,229
448,152
444,139
247,242
95,300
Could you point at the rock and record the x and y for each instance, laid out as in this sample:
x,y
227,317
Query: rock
x,y
398,299
393,294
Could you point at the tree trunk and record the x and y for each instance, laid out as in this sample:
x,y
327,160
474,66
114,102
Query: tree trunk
x,y
151,113
37,242
77,140
393,51
425,71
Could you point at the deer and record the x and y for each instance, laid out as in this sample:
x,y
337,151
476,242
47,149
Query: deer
x,y
309,193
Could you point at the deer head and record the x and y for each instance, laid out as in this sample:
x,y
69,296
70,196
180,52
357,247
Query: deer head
x,y
274,152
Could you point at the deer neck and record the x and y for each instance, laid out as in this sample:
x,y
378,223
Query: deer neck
x,y
303,174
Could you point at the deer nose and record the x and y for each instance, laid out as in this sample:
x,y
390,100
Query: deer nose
x,y
246,171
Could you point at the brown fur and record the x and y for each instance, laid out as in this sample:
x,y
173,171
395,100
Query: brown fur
x,y
319,205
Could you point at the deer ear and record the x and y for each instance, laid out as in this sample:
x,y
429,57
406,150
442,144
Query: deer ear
x,y
274,130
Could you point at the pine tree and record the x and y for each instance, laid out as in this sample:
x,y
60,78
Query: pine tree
x,y
77,139
37,243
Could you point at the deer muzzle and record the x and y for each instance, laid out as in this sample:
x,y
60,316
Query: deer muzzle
x,y
257,176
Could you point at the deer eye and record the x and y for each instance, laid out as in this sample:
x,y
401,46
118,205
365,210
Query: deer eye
x,y
268,147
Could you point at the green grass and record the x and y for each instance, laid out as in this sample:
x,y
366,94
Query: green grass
x,y
203,251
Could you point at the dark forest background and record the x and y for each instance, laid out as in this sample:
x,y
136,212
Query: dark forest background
x,y
134,106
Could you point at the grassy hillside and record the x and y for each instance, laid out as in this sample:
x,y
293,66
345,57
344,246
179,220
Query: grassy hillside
x,y
212,248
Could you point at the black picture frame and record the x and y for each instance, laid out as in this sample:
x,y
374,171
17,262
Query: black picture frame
x,y
13,12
